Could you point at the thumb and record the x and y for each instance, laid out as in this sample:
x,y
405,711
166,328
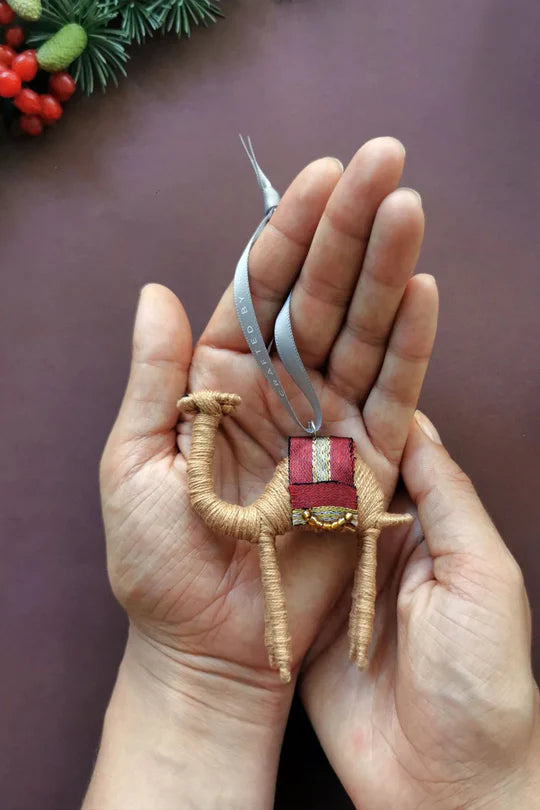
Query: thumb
x,y
452,516
161,355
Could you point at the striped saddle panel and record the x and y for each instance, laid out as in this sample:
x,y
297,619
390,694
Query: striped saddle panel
x,y
321,482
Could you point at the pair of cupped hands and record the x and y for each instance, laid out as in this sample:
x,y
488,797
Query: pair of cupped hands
x,y
446,714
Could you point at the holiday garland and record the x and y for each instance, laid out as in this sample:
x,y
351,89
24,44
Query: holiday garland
x,y
81,43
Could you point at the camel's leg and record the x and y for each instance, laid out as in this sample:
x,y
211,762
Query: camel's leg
x,y
363,598
268,639
353,615
276,632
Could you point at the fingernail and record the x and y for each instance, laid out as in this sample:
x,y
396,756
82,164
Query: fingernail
x,y
399,143
338,161
145,289
413,191
139,309
427,427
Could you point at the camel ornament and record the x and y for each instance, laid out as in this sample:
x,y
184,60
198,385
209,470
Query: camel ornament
x,y
323,485
289,502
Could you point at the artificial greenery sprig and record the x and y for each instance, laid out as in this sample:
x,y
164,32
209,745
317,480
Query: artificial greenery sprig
x,y
180,15
141,19
104,57
138,20
112,25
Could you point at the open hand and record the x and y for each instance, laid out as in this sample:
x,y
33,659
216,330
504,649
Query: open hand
x,y
447,714
347,244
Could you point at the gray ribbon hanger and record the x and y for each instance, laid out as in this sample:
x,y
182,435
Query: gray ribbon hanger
x,y
283,334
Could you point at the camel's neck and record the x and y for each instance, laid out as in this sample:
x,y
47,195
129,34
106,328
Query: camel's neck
x,y
237,521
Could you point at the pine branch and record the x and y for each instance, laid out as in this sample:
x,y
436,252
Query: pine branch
x,y
138,20
111,25
105,56
180,15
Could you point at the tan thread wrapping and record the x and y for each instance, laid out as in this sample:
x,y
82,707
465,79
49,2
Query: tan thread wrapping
x,y
277,638
270,516
238,521
363,598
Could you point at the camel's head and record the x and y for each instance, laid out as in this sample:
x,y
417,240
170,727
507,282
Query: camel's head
x,y
212,403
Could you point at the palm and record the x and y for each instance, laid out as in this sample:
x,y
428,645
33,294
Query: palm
x,y
363,731
445,677
186,587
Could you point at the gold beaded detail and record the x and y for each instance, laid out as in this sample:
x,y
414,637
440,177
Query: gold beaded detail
x,y
329,527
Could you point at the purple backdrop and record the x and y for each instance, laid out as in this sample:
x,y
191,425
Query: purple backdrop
x,y
149,184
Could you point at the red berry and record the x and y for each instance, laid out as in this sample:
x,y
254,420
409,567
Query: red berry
x,y
15,37
51,109
10,84
25,65
62,85
28,102
6,55
31,124
7,15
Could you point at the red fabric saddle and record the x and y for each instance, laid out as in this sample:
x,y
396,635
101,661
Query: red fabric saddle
x,y
321,482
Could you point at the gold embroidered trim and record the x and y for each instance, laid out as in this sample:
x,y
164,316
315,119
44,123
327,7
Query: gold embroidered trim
x,y
327,515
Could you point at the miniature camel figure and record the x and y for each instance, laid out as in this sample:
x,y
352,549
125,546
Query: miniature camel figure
x,y
270,516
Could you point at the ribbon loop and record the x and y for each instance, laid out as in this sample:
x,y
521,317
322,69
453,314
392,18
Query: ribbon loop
x,y
283,334
271,197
